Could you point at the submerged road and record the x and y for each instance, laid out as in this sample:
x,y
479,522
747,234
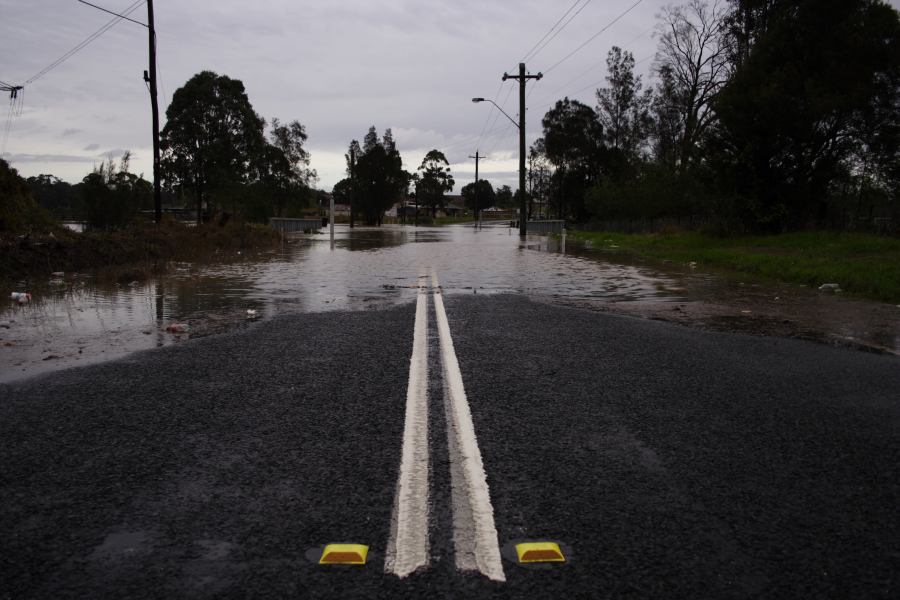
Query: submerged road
x,y
670,463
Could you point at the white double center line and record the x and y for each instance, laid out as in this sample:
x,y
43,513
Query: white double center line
x,y
474,535
474,532
407,548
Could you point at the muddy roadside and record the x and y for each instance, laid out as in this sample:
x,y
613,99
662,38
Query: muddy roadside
x,y
719,300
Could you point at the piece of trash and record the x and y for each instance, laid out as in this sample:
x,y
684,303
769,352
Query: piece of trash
x,y
20,297
830,288
251,313
692,265
746,312
58,274
178,328
57,282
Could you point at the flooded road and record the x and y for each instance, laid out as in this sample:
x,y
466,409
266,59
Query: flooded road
x,y
80,320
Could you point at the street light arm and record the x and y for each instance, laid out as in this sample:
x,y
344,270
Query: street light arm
x,y
511,120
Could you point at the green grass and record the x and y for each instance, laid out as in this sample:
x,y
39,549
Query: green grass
x,y
864,265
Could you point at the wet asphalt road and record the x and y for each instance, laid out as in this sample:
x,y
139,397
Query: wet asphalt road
x,y
673,463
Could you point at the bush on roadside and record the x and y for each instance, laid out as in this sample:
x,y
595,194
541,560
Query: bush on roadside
x,y
19,213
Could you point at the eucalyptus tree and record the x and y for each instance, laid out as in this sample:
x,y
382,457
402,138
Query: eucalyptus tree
x,y
212,139
623,108
692,66
573,144
813,81
435,180
379,176
486,196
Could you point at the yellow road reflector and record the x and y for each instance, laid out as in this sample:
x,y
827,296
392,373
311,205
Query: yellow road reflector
x,y
538,552
344,554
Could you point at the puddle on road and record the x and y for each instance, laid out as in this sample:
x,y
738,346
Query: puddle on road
x,y
86,320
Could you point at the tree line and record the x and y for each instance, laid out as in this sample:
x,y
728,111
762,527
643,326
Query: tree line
x,y
764,115
218,156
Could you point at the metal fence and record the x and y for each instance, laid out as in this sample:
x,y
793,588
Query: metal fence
x,y
292,225
545,227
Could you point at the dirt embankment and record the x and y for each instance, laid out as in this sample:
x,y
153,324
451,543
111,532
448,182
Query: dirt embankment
x,y
143,247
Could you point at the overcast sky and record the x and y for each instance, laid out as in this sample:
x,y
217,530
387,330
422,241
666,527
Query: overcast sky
x,y
337,67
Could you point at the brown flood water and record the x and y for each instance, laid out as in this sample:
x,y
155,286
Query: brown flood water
x,y
79,319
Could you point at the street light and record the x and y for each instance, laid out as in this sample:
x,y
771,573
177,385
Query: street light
x,y
511,120
522,77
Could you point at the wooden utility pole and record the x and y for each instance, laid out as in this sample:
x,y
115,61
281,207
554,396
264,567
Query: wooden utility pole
x,y
522,77
352,181
154,105
477,157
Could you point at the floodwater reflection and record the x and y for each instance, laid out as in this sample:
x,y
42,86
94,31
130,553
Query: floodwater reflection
x,y
87,321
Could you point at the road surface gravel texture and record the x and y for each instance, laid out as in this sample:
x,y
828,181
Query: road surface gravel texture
x,y
672,463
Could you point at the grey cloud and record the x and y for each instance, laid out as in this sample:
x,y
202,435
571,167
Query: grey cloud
x,y
48,158
91,147
69,132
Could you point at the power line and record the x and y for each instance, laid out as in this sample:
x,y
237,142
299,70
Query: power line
x,y
595,65
469,140
596,83
528,54
496,113
15,107
535,50
112,13
592,38
490,112
504,136
558,31
112,23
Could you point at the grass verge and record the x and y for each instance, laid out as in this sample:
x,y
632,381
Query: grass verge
x,y
863,265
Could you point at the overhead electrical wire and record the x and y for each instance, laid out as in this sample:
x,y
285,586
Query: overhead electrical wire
x,y
109,25
595,84
504,136
592,38
568,84
13,102
534,49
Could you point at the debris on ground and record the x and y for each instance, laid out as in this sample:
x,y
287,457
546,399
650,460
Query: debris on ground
x,y
20,297
830,288
251,313
178,328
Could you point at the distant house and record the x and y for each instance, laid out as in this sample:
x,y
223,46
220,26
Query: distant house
x,y
342,210
455,208
407,210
